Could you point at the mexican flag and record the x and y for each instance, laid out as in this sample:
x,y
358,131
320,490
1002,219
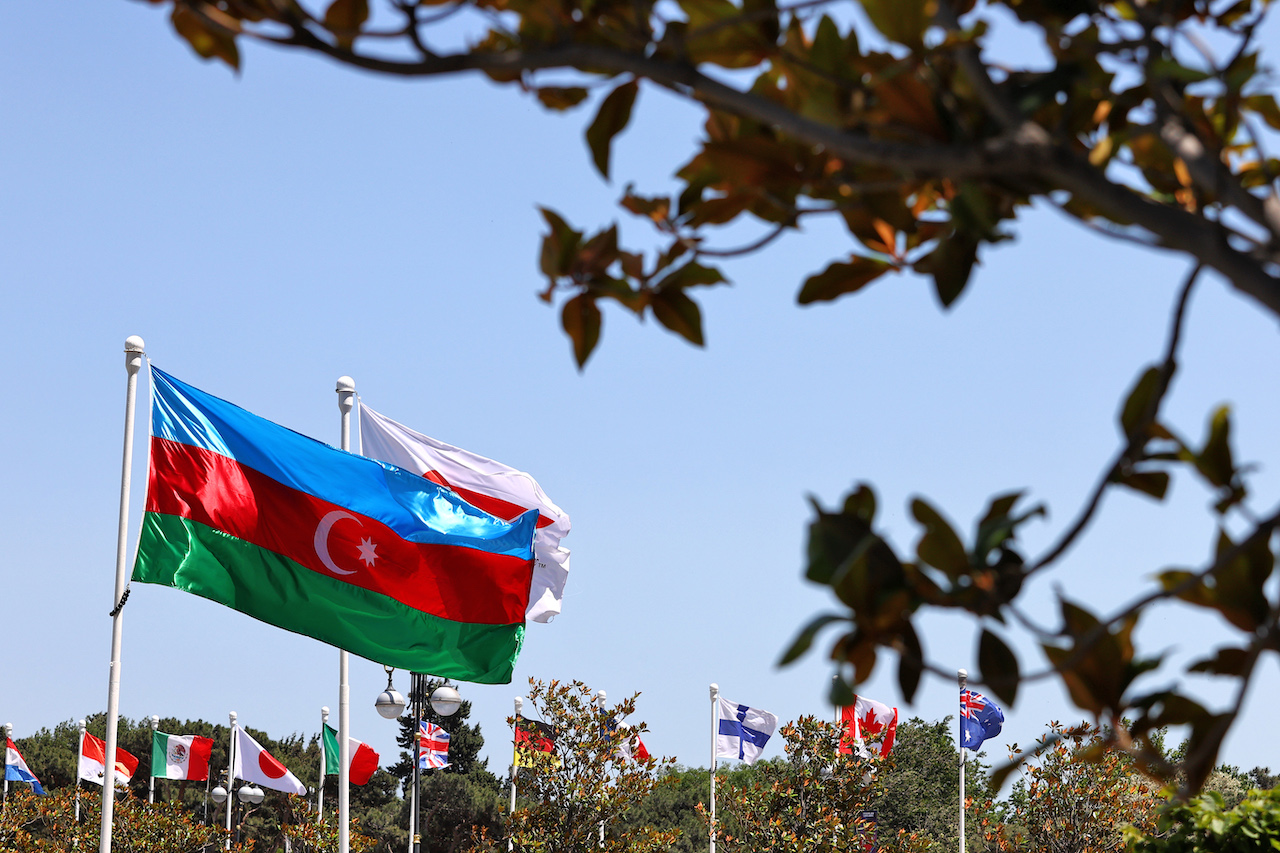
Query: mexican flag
x,y
180,756
364,761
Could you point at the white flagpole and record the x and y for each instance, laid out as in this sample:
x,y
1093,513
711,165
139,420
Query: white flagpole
x,y
963,676
600,700
231,766
8,733
514,765
79,750
133,352
151,788
346,389
324,721
715,730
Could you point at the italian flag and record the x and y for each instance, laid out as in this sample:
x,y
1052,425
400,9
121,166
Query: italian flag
x,y
364,761
180,756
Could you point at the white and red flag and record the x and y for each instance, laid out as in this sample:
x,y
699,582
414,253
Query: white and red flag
x,y
631,747
493,487
364,760
93,761
866,719
254,764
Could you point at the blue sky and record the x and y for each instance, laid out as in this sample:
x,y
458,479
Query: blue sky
x,y
269,232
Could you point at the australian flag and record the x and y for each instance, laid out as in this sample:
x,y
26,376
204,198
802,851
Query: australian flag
x,y
980,719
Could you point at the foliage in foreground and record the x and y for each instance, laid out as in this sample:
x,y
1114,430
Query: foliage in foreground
x,y
1143,119
1206,825
589,785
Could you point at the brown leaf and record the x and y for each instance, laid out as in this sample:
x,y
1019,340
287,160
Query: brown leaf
x,y
207,41
841,278
344,18
678,313
581,320
615,112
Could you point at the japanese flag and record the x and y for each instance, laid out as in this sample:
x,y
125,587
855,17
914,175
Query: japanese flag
x,y
254,764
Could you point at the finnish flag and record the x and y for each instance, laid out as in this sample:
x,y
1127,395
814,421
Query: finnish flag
x,y
743,731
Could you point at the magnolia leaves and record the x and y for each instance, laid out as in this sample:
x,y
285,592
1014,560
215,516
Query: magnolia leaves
x,y
882,592
596,268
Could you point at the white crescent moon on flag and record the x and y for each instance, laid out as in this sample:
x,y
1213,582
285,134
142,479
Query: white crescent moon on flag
x,y
322,540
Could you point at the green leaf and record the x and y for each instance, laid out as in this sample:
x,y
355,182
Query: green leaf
x,y
1227,661
692,274
950,264
678,313
940,547
1136,404
903,21
804,640
999,667
615,112
581,320
910,662
1153,483
841,278
1214,461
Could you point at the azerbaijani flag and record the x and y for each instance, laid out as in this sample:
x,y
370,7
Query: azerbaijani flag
x,y
315,540
180,756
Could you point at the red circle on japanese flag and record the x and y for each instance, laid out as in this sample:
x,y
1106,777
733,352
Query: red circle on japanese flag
x,y
268,765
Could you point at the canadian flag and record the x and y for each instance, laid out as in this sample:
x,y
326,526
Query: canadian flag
x,y
254,764
867,719
93,761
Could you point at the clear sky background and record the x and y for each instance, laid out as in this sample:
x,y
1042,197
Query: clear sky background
x,y
269,232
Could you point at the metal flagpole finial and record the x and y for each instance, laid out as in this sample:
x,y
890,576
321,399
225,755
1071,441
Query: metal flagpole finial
x,y
519,705
155,722
715,692
232,716
963,676
324,714
600,699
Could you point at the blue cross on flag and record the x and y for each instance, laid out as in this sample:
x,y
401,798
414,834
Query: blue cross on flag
x,y
743,731
980,719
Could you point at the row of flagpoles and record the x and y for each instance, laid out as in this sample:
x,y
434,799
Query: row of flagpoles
x,y
739,732
213,439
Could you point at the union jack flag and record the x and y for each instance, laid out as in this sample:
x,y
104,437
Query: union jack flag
x,y
433,748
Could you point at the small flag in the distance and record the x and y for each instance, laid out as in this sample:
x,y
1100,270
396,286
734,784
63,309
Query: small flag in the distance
x,y
364,761
630,746
93,762
866,719
180,756
980,719
433,753
15,768
743,731
254,764
535,744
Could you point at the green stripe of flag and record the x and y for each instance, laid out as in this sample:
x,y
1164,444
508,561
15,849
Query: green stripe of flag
x,y
198,559
332,756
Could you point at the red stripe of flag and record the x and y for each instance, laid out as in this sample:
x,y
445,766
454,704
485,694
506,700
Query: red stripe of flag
x,y
212,489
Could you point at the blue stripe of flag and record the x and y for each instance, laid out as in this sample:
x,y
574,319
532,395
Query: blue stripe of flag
x,y
414,507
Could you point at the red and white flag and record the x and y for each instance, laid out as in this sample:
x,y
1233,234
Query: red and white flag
x,y
93,761
867,719
254,764
631,747
493,487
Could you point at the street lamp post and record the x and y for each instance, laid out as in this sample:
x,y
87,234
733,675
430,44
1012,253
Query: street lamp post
x,y
445,701
247,794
